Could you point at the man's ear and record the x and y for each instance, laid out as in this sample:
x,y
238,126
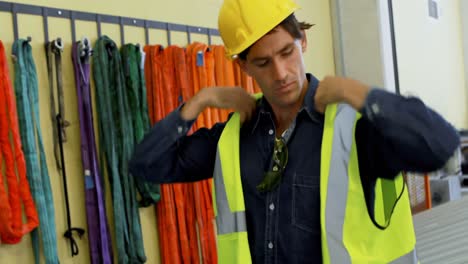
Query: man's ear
x,y
243,65
304,41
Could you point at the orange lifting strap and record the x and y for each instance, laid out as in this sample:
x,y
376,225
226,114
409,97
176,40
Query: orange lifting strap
x,y
201,61
173,75
187,221
164,210
12,227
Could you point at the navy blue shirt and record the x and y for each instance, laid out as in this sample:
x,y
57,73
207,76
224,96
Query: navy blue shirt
x,y
394,134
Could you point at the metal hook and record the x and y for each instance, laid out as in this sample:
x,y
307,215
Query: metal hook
x,y
168,29
58,44
146,32
189,39
209,37
98,23
122,31
73,26
15,21
85,47
85,41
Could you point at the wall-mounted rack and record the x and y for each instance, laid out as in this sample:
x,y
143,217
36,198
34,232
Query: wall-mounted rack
x,y
46,12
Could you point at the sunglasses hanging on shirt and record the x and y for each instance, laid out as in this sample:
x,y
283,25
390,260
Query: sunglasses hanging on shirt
x,y
272,178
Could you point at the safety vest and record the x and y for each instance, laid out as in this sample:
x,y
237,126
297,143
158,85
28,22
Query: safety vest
x,y
349,235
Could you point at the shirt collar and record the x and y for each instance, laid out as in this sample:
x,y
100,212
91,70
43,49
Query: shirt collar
x,y
309,104
264,108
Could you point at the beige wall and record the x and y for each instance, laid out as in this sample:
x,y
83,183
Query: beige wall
x,y
464,18
430,57
358,41
319,60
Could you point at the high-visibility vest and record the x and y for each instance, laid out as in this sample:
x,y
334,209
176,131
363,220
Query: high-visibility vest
x,y
348,233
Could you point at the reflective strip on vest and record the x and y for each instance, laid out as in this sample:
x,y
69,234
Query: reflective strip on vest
x,y
335,188
411,257
233,244
344,215
227,221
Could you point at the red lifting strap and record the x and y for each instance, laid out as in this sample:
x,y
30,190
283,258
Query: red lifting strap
x,y
12,227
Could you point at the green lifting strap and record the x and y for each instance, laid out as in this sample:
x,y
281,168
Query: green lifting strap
x,y
116,133
26,90
136,92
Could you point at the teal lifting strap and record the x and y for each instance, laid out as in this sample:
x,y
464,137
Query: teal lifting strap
x,y
132,58
116,133
26,91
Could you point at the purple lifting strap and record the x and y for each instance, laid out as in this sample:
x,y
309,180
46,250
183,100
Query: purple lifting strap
x,y
98,231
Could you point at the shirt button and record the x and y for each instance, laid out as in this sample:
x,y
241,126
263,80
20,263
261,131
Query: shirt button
x,y
179,129
272,206
375,109
270,132
270,245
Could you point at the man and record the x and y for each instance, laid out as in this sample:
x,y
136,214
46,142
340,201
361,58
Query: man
x,y
292,169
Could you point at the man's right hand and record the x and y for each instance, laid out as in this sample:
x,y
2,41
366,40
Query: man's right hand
x,y
234,98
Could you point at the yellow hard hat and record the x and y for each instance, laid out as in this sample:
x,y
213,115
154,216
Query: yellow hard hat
x,y
242,22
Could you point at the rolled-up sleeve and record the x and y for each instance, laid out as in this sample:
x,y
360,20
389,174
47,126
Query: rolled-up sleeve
x,y
167,154
399,133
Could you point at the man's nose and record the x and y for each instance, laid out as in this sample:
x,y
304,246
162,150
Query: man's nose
x,y
279,70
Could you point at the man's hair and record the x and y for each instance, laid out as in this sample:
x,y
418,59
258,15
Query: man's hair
x,y
291,25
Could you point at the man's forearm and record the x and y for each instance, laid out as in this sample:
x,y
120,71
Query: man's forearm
x,y
193,107
412,136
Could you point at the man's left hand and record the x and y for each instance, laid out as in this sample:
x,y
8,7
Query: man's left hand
x,y
340,90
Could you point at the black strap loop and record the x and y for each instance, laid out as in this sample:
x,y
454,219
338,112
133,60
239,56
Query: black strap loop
x,y
69,234
387,224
